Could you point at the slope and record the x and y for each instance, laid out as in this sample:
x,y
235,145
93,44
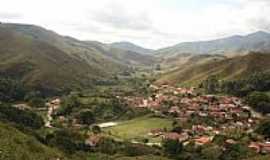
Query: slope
x,y
17,145
41,65
49,62
231,68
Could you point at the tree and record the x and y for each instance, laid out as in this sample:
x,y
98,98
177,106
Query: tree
x,y
11,90
68,104
107,146
25,118
259,101
37,102
177,129
145,140
236,151
172,147
96,129
211,84
67,140
211,152
264,128
86,117
158,67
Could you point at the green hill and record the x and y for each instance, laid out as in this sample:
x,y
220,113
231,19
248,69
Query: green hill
x,y
131,47
94,53
230,68
44,60
41,65
16,145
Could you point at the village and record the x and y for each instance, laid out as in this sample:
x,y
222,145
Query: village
x,y
198,118
215,115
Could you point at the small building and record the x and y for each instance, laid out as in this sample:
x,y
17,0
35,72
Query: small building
x,y
203,140
93,140
171,136
156,132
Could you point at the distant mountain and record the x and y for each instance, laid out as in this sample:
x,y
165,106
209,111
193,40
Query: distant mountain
x,y
45,60
228,68
257,42
131,47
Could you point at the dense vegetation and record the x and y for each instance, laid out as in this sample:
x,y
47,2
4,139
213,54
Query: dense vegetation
x,y
11,90
254,88
25,118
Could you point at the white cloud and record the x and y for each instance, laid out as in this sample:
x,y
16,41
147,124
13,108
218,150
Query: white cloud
x,y
10,15
150,23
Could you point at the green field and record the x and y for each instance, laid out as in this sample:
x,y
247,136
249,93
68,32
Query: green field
x,y
138,128
268,93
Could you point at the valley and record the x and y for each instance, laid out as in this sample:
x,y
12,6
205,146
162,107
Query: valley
x,y
68,99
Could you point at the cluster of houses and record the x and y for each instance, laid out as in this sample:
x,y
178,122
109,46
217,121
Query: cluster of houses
x,y
260,147
183,103
183,137
226,112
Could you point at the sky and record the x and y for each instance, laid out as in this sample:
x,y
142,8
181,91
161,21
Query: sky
x,y
149,23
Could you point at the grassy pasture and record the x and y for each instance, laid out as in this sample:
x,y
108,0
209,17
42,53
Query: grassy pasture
x,y
139,128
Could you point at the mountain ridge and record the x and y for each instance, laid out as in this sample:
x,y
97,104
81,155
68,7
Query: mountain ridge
x,y
131,47
44,59
257,42
226,69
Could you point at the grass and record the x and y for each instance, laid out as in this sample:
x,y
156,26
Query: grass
x,y
268,93
17,145
99,156
139,128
